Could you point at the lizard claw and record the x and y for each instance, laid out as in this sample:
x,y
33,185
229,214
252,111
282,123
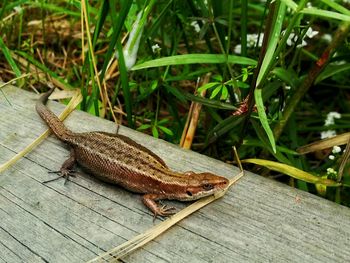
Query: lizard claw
x,y
164,211
65,173
158,210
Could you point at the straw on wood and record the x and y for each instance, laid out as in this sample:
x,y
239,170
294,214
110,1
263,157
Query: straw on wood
x,y
76,99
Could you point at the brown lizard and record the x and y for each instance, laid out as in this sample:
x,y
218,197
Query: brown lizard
x,y
117,159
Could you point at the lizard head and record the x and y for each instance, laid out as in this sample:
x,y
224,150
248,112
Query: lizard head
x,y
204,184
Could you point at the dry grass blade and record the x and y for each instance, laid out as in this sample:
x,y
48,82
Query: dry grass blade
x,y
344,161
324,144
70,107
192,119
293,172
126,248
103,92
12,80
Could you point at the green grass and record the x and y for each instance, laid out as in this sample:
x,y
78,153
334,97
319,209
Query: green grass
x,y
266,98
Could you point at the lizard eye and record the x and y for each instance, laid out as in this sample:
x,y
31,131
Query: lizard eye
x,y
208,187
189,193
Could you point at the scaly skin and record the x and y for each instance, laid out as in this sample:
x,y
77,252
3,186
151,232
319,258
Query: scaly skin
x,y
119,160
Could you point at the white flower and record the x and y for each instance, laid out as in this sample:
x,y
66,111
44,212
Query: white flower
x,y
155,48
327,37
336,149
196,26
18,9
293,38
252,39
311,33
331,171
287,87
330,121
238,49
331,157
328,134
302,44
330,118
339,62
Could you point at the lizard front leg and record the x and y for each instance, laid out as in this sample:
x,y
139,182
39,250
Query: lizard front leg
x,y
150,201
66,169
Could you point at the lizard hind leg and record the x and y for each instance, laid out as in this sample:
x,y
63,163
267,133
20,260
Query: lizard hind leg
x,y
66,169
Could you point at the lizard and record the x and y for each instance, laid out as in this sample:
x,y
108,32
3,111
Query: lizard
x,y
117,159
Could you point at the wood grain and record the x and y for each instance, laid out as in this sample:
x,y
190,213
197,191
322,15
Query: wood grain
x,y
258,220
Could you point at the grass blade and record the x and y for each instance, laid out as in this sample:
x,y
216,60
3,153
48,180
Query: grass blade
x,y
325,14
10,60
292,171
263,118
125,84
195,59
117,27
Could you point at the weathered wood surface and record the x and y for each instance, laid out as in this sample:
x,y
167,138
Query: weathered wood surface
x,y
258,220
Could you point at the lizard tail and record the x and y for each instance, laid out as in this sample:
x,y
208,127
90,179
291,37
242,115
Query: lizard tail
x,y
55,124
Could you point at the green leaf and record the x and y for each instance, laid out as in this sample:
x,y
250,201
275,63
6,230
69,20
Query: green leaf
x,y
195,59
215,92
224,127
332,70
125,85
155,132
242,85
291,4
258,143
162,121
102,15
91,108
144,127
336,6
209,103
274,37
146,90
118,23
224,93
288,76
176,92
218,78
260,132
12,63
166,130
208,86
325,14
263,118
245,74
292,171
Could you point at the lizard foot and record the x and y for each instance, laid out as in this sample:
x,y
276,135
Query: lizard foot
x,y
164,211
65,173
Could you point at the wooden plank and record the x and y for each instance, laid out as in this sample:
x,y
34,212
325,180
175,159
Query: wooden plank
x,y
258,220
